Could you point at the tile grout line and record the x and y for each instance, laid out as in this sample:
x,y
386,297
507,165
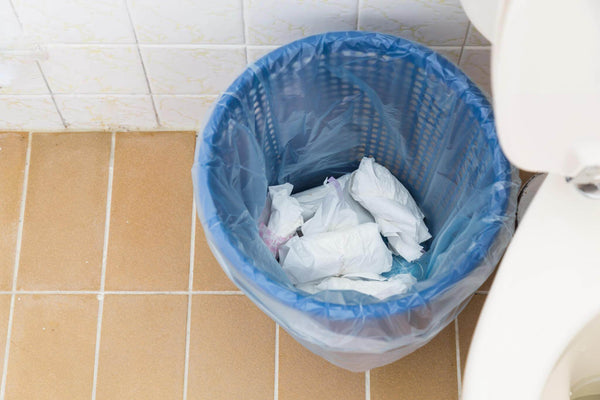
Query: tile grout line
x,y
368,384
52,95
97,348
188,324
124,292
139,51
458,364
226,46
464,43
244,32
358,3
111,169
276,378
18,18
16,265
16,14
218,46
98,94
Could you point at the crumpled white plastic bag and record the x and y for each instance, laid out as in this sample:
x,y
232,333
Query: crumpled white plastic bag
x,y
285,217
337,210
395,211
311,199
372,284
340,247
358,249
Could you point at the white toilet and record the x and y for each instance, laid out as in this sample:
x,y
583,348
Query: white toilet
x,y
538,336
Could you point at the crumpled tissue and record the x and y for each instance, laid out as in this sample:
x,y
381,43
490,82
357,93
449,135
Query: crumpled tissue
x,y
311,199
337,209
372,284
330,237
399,218
285,217
357,249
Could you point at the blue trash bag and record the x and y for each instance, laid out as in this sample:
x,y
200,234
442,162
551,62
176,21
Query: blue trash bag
x,y
313,109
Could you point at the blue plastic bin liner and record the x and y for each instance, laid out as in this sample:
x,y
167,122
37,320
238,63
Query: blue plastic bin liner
x,y
313,109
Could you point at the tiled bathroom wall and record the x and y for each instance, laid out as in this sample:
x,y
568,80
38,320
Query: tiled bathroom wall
x,y
155,64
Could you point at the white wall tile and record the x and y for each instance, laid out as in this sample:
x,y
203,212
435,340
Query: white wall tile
x,y
9,25
192,70
94,69
282,21
192,50
20,76
75,21
188,21
451,53
107,112
28,113
19,73
430,22
256,52
475,38
183,112
476,64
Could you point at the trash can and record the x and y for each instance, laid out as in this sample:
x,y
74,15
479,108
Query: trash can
x,y
312,109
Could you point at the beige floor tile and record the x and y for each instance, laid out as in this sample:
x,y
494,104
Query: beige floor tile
x,y
429,373
232,349
63,231
306,376
13,147
52,347
208,274
150,227
467,320
4,311
142,347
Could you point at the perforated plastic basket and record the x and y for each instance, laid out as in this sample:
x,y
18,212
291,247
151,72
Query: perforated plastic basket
x,y
313,109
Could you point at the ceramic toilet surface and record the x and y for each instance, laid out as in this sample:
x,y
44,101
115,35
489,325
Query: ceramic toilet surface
x,y
545,292
576,376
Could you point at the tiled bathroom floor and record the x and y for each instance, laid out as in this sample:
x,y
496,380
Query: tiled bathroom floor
x,y
109,291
